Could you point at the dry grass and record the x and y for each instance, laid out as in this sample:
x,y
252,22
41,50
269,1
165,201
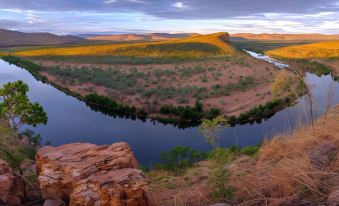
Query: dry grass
x,y
300,167
187,190
198,46
316,50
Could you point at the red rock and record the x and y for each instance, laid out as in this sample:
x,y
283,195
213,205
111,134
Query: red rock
x,y
11,186
87,174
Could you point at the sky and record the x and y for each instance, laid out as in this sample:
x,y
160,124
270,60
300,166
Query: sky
x,y
193,16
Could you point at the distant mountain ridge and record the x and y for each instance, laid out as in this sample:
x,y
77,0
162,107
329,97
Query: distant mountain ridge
x,y
139,37
10,38
283,37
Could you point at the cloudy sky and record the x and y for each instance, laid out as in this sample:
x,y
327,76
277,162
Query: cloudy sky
x,y
142,16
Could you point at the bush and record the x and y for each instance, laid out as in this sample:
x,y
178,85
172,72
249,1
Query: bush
x,y
111,106
259,112
179,159
189,113
249,150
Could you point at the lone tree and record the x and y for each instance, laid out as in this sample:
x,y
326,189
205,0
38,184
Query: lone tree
x,y
16,108
211,129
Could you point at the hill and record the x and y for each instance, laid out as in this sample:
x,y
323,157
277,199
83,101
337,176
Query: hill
x,y
283,37
328,49
198,46
138,37
14,38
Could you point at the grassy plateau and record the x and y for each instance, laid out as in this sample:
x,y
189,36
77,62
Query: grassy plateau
x,y
328,49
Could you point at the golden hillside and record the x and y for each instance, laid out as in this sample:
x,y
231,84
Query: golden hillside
x,y
328,49
198,46
286,37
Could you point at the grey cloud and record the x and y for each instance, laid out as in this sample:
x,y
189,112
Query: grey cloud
x,y
191,9
8,24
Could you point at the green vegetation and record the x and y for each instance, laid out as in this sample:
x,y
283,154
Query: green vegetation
x,y
250,150
179,159
242,84
126,82
211,129
30,66
16,108
15,111
189,113
110,106
259,112
315,67
221,190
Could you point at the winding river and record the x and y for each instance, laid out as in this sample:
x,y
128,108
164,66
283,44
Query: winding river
x,y
70,120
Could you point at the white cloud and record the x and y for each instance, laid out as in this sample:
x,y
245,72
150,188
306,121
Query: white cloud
x,y
110,1
136,1
18,11
33,18
179,5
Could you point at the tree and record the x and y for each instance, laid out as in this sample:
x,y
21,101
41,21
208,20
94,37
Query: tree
x,y
16,108
210,129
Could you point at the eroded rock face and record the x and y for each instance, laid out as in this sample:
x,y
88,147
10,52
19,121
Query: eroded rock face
x,y
87,174
11,186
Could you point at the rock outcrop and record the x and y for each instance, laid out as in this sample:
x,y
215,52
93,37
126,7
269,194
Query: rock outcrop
x,y
11,186
87,174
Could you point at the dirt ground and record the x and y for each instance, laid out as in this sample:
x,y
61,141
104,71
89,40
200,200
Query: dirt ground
x,y
226,70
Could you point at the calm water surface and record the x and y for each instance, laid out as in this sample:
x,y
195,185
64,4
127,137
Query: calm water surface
x,y
70,120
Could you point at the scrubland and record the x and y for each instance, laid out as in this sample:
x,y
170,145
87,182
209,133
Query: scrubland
x,y
296,168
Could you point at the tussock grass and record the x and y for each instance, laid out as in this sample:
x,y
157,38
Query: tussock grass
x,y
197,46
328,49
300,166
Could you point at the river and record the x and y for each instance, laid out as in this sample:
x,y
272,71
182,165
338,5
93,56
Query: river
x,y
70,120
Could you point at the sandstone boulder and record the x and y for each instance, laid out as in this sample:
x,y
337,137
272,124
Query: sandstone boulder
x,y
87,174
11,186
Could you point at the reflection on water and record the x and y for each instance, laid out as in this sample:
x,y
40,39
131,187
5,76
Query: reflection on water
x,y
267,58
70,120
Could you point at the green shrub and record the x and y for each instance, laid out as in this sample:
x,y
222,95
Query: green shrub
x,y
249,150
179,159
